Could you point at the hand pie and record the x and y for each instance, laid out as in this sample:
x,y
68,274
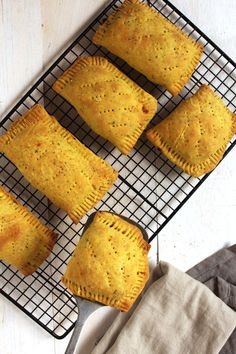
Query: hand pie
x,y
109,264
24,242
151,44
195,135
56,163
109,102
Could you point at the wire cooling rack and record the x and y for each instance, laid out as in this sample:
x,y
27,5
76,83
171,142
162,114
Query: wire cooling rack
x,y
150,189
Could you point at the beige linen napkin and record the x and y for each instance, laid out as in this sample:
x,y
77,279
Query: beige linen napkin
x,y
177,315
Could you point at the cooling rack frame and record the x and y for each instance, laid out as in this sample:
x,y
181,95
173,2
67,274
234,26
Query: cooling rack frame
x,y
172,187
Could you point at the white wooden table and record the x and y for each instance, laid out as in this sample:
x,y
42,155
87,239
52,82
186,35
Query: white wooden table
x,y
32,34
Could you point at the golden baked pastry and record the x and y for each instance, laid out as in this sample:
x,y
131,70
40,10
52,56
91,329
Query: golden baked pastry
x,y
24,241
109,264
56,163
151,44
195,135
109,102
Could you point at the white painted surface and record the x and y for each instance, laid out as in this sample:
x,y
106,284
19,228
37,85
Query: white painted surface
x,y
32,32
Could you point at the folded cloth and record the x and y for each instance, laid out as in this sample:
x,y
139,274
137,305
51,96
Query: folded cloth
x,y
176,315
218,273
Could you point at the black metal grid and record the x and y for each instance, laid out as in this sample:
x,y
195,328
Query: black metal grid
x,y
150,189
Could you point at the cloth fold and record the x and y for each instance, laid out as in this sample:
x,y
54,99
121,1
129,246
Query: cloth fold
x,y
176,315
218,273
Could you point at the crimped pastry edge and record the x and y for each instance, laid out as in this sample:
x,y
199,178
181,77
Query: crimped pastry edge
x,y
36,114
175,88
25,213
127,301
192,169
150,102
